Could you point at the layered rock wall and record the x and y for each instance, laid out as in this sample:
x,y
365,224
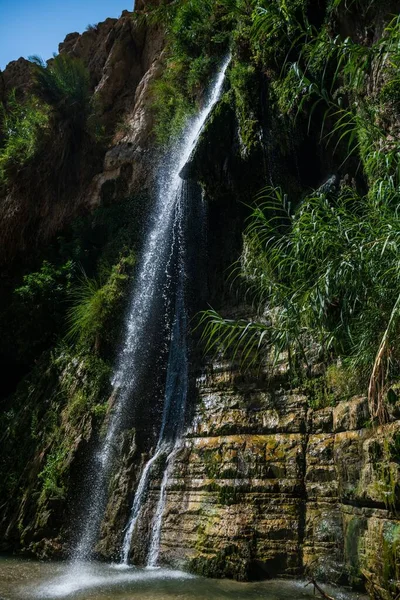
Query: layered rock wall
x,y
264,485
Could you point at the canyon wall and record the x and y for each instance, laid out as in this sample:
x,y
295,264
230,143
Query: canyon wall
x,y
265,485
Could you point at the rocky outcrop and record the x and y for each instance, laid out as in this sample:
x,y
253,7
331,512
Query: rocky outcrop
x,y
17,76
123,57
264,485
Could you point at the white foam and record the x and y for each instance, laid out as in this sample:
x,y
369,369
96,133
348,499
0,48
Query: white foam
x,y
85,577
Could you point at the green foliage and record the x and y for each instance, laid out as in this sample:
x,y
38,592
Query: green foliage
x,y
94,304
24,126
197,36
80,390
350,5
47,417
34,307
86,393
243,81
329,79
193,27
276,28
49,283
391,555
387,472
319,394
92,27
37,309
240,340
326,278
344,380
51,475
64,85
51,126
353,538
172,108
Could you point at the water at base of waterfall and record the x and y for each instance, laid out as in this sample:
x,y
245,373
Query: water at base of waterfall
x,y
22,579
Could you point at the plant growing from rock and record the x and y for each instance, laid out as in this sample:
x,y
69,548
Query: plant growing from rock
x,y
23,125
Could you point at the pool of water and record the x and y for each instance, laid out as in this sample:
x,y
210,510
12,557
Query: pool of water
x,y
33,580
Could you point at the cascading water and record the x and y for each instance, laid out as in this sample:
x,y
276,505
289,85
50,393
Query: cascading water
x,y
177,372
162,261
175,390
173,414
155,539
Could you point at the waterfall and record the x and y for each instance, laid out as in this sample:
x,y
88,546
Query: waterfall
x,y
161,270
177,371
173,414
155,539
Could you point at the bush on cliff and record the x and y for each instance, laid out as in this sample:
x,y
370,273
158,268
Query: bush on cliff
x,y
48,132
325,274
94,305
64,85
24,128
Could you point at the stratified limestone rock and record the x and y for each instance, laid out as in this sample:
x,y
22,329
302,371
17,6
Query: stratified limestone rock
x,y
235,503
265,486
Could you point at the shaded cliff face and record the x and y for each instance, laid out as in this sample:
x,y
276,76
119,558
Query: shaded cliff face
x,y
122,58
95,225
53,217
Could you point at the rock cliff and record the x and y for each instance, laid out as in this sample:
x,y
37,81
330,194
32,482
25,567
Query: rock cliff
x,y
265,485
123,59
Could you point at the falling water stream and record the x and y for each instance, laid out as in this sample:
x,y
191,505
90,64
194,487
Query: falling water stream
x,y
177,370
161,274
158,299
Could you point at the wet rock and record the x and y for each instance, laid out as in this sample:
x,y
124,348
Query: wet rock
x,y
265,486
351,415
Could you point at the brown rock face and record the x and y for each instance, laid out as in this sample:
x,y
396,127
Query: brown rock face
x,y
265,486
18,76
123,59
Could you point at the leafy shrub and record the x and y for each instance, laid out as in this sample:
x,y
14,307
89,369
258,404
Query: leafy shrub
x,y
197,36
94,303
172,109
49,283
325,276
64,85
243,81
37,311
320,275
24,126
92,27
51,475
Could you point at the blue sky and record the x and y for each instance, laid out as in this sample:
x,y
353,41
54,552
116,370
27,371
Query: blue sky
x,y
37,26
